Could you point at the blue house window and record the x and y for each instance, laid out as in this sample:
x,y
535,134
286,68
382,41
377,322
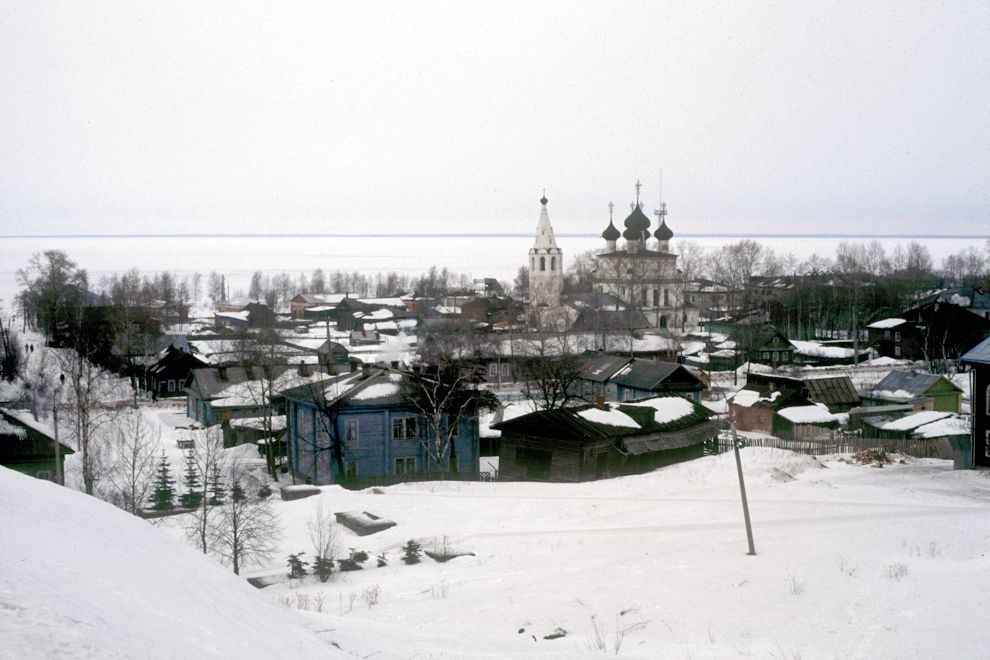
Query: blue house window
x,y
405,465
351,431
405,428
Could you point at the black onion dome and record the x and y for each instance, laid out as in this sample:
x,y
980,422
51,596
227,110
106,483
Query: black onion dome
x,y
633,234
663,232
611,233
637,220
544,200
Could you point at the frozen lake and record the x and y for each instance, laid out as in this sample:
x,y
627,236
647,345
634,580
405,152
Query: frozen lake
x,y
237,256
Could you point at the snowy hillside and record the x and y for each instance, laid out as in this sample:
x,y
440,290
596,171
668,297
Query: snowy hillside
x,y
853,561
82,579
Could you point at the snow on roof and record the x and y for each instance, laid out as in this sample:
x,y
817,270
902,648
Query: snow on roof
x,y
258,423
376,391
240,316
896,395
886,323
609,417
746,398
883,362
815,414
914,421
952,425
6,428
667,408
692,347
816,349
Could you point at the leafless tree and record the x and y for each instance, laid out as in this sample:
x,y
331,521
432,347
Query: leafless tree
x,y
208,458
446,394
134,449
246,527
92,402
550,370
324,533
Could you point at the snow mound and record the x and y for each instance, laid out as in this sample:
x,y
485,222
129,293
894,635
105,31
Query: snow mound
x,y
86,580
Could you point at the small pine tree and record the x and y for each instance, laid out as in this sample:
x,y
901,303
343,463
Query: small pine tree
x,y
411,552
236,492
190,479
382,560
297,567
265,491
218,489
163,496
323,567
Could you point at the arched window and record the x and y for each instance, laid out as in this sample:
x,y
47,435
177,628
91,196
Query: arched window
x,y
553,263
663,321
988,399
532,263
666,298
543,263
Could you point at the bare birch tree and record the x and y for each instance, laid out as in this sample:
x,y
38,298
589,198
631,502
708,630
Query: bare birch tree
x,y
246,527
208,457
135,447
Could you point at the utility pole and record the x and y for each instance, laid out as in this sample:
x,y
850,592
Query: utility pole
x,y
736,444
59,477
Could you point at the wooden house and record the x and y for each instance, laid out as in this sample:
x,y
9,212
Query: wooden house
x,y
642,378
784,413
371,414
837,393
937,332
224,393
301,303
905,386
596,441
28,447
978,361
171,373
595,376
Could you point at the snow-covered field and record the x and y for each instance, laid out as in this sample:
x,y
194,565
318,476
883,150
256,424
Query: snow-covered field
x,y
852,562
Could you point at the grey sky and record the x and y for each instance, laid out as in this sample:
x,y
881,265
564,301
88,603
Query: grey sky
x,y
415,117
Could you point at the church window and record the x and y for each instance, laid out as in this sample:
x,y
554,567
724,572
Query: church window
x,y
666,298
663,321
988,399
553,263
656,298
543,263
643,298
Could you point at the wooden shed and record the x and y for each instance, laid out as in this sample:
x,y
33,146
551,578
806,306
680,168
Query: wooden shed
x,y
606,440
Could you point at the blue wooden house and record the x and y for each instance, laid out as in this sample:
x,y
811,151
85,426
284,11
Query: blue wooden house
x,y
371,416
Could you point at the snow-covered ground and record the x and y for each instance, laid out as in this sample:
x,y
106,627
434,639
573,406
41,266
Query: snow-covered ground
x,y
852,562
82,579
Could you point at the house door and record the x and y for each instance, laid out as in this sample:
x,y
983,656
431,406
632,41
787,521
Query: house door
x,y
601,466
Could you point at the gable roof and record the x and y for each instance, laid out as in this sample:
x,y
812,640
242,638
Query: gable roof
x,y
979,354
648,375
600,368
832,390
381,387
657,414
908,384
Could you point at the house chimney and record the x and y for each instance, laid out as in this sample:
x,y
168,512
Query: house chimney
x,y
303,370
365,369
600,402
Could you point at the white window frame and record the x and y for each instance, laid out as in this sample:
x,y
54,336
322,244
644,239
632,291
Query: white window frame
x,y
352,431
405,462
171,385
401,426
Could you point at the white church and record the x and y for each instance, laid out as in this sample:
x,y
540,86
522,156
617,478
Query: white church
x,y
640,271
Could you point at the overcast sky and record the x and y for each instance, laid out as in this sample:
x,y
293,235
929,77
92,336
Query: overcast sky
x,y
148,117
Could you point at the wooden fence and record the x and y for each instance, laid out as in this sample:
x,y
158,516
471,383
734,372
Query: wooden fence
x,y
844,443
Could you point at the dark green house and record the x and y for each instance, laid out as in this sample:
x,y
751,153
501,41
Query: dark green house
x,y
26,446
